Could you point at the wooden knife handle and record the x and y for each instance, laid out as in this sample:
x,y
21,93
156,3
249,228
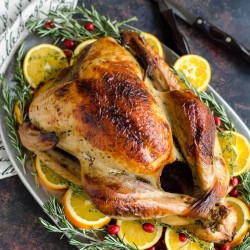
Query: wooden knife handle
x,y
221,37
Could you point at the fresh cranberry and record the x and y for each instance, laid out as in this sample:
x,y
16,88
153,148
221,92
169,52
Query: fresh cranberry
x,y
35,91
234,181
89,26
216,248
26,109
225,247
148,227
183,237
152,248
218,121
113,229
49,25
234,192
67,52
33,127
69,44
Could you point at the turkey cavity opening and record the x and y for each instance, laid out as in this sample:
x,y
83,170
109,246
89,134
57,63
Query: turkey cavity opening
x,y
177,178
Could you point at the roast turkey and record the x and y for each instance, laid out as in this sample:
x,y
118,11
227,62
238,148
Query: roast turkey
x,y
125,119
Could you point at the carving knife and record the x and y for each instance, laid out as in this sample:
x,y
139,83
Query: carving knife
x,y
212,31
175,40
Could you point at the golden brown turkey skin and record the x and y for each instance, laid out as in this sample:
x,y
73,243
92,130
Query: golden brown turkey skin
x,y
153,64
117,125
109,107
125,197
194,128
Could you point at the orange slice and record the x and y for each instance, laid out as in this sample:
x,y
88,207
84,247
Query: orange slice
x,y
42,63
49,177
132,233
59,169
154,43
196,69
243,216
18,113
236,151
80,211
173,242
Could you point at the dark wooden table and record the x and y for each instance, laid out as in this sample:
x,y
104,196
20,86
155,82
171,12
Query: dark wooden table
x,y
19,212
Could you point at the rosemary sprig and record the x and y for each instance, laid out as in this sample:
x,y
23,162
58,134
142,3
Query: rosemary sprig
x,y
23,90
245,244
67,27
209,100
97,239
23,93
10,119
190,236
244,187
8,103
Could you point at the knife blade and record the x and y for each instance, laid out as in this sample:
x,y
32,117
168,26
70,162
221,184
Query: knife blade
x,y
176,41
212,31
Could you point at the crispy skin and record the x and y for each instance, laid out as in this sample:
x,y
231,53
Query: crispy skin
x,y
117,126
123,196
194,128
153,64
108,107
36,140
223,216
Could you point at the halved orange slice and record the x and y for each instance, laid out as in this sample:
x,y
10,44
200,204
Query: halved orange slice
x,y
196,69
42,63
80,211
236,151
49,177
243,217
132,233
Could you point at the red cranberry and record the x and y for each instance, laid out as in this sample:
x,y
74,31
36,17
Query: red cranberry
x,y
35,91
183,237
234,192
26,109
67,52
225,247
218,121
49,25
234,181
113,229
89,26
152,248
69,44
216,248
33,127
148,227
